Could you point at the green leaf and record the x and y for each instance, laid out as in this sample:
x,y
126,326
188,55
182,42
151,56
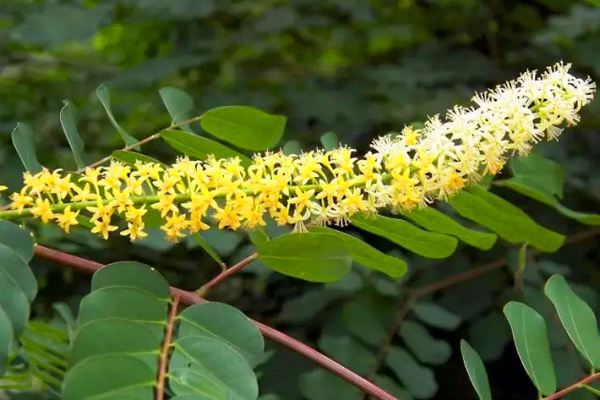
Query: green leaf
x,y
489,335
208,367
366,317
405,234
117,336
13,302
320,384
179,104
419,380
104,96
508,221
22,139
531,340
436,221
525,188
67,120
111,376
6,340
130,157
348,352
476,371
202,242
223,322
540,173
18,239
245,127
133,274
314,257
435,315
577,318
368,256
200,147
19,271
329,140
423,345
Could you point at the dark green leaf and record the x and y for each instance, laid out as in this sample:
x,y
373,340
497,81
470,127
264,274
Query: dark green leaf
x,y
111,376
405,234
577,317
18,239
320,384
436,221
368,256
19,271
202,242
489,335
531,339
203,366
245,127
13,302
435,315
423,345
476,371
104,96
225,323
134,274
118,336
179,105
22,139
508,221
69,125
348,352
419,380
199,147
366,317
6,340
310,256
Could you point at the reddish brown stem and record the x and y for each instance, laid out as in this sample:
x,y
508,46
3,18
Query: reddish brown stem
x,y
164,353
575,386
89,266
226,274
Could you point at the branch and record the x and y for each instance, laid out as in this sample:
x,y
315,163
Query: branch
x,y
89,266
573,387
164,353
203,291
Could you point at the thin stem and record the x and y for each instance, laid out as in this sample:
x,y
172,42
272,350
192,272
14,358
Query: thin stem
x,y
203,291
164,353
573,387
89,266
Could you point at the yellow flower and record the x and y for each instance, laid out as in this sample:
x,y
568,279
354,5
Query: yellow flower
x,y
67,219
135,230
102,226
42,210
3,188
20,200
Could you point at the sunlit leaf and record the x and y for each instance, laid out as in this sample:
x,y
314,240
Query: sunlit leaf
x,y
245,127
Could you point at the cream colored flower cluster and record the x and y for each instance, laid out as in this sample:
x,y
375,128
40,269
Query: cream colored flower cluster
x,y
317,187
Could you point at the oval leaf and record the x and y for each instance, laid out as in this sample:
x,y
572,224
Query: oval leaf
x,y
419,380
22,139
427,349
179,104
104,96
368,256
476,371
436,221
577,317
405,234
69,125
245,127
18,239
199,147
508,221
314,257
531,339
130,157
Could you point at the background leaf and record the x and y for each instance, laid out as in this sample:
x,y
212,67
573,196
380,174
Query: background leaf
x,y
531,340
476,371
22,139
104,96
179,104
69,125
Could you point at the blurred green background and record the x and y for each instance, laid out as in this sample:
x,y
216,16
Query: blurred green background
x,y
358,68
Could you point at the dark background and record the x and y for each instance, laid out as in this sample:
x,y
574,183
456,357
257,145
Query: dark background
x,y
355,67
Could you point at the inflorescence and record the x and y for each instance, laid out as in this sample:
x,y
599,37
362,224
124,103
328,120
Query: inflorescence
x,y
318,187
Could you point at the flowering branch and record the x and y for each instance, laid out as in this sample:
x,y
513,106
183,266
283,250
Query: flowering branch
x,y
89,266
203,291
401,172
